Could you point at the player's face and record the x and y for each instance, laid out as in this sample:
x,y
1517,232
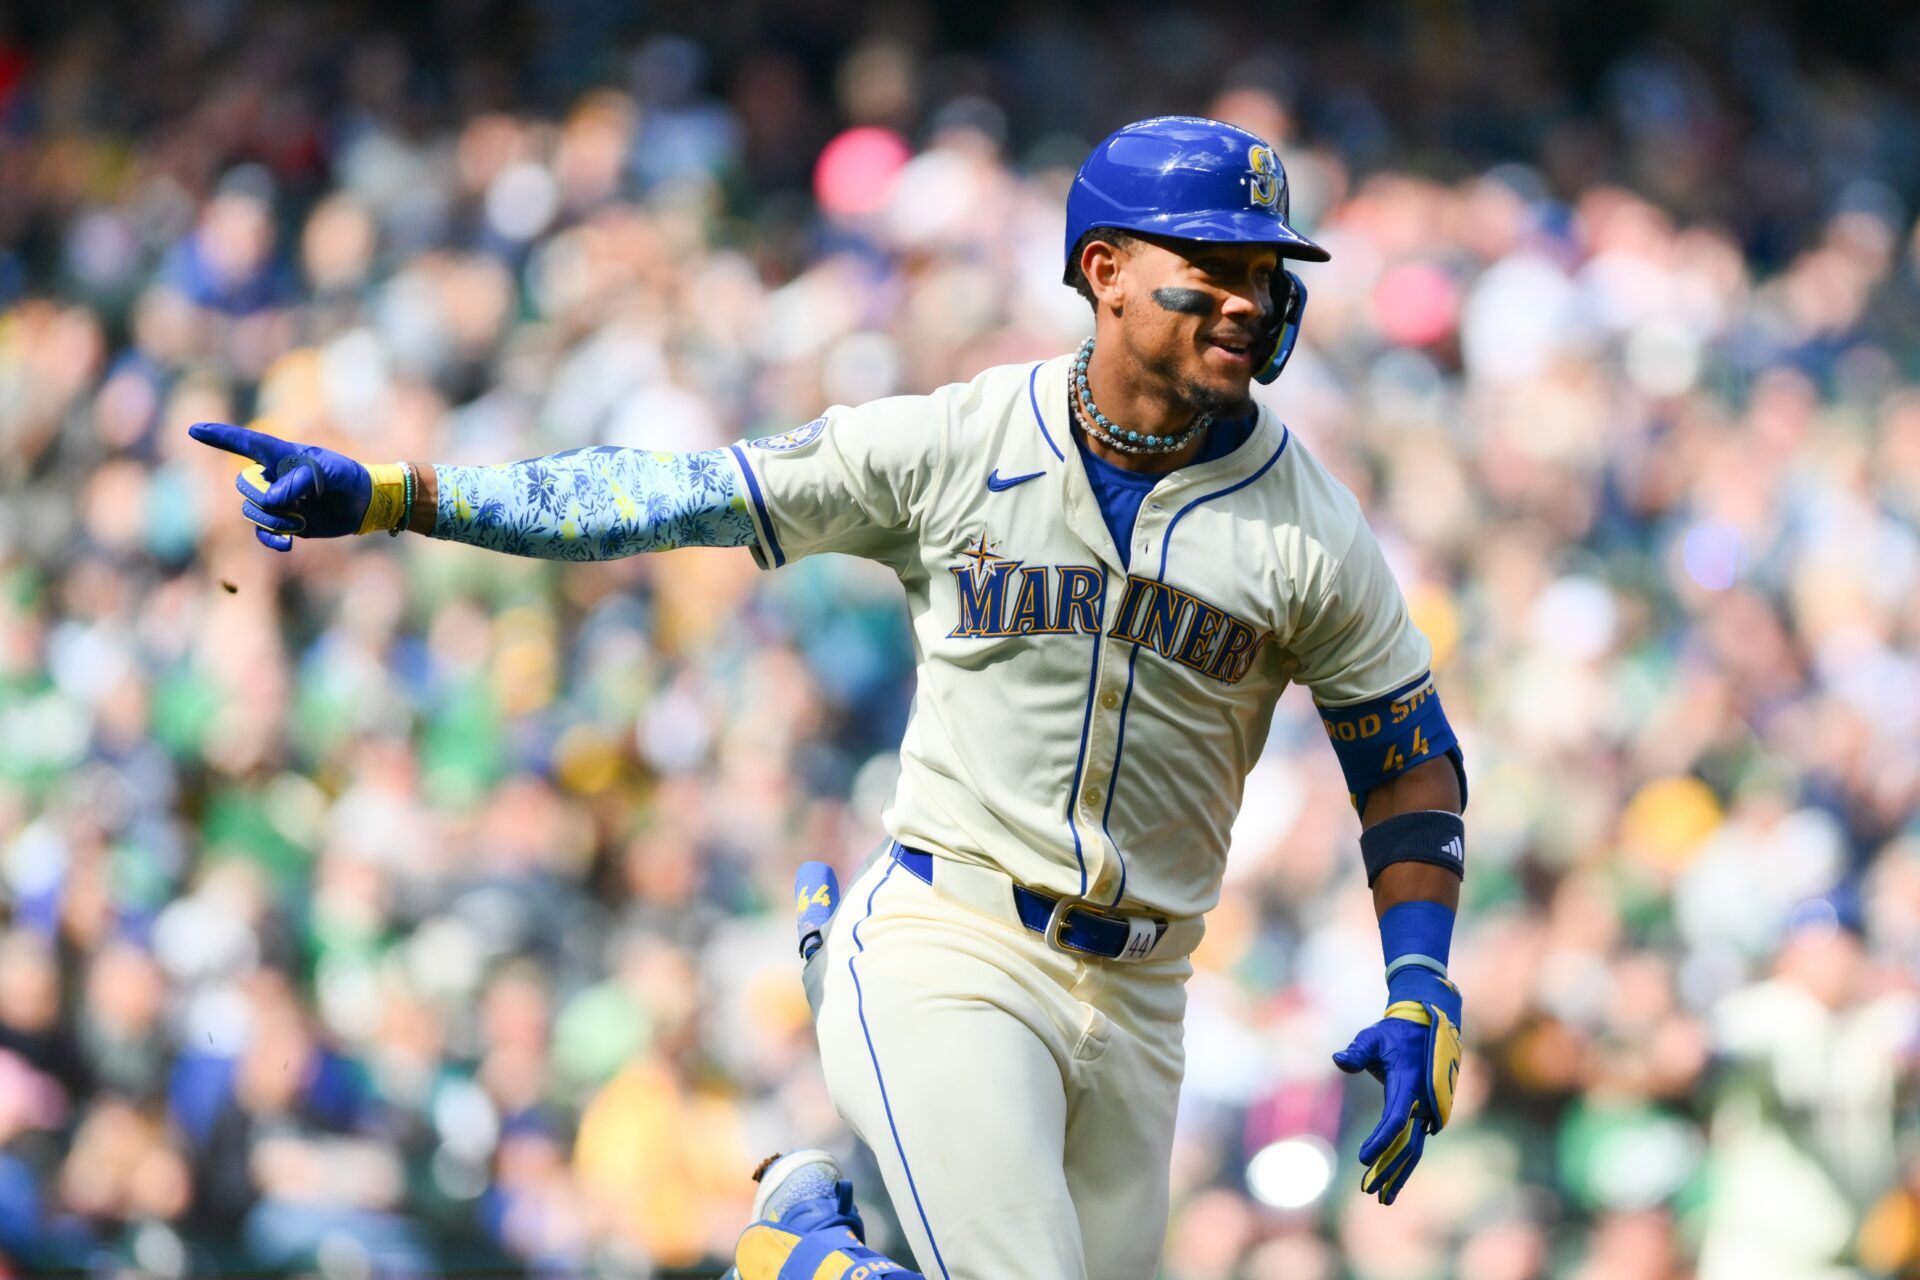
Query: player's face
x,y
1201,309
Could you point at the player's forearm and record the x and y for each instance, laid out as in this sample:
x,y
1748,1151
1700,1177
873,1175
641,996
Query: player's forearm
x,y
1415,848
1433,786
588,504
1415,882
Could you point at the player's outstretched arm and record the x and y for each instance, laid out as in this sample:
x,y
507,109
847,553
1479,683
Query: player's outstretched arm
x,y
598,503
1414,1049
583,504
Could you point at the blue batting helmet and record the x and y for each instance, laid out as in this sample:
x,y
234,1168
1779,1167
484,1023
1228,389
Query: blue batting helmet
x,y
1191,178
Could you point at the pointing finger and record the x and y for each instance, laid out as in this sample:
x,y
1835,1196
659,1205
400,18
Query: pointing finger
x,y
258,445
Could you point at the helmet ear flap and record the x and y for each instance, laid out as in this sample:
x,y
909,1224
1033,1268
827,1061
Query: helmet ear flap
x,y
1277,347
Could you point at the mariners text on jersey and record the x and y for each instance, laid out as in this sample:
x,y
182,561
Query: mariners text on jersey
x,y
999,597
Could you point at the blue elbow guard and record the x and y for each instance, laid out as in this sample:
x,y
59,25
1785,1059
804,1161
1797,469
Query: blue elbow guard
x,y
1384,737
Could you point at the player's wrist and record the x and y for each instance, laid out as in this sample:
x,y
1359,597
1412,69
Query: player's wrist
x,y
1416,942
1425,988
424,511
386,507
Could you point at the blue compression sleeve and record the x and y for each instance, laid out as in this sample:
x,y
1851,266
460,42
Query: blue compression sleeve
x,y
1415,940
595,504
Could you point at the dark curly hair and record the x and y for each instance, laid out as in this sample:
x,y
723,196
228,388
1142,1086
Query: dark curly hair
x,y
1074,275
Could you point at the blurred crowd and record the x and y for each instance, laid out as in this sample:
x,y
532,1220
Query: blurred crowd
x,y
391,907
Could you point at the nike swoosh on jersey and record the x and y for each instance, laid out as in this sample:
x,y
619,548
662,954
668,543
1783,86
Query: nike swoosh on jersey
x,y
995,483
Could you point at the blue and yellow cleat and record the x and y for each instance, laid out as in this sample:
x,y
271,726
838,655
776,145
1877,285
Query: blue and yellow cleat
x,y
806,1228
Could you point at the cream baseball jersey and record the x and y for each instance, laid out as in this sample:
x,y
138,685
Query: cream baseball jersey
x,y
1082,723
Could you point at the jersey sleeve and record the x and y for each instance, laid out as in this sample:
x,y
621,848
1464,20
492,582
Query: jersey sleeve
x,y
1359,642
1370,672
856,480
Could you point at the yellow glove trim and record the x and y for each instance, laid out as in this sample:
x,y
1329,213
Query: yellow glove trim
x,y
388,505
1446,1068
1410,1011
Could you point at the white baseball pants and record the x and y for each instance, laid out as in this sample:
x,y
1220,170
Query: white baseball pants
x,y
1020,1101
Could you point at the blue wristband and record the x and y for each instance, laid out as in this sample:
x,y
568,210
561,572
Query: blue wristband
x,y
1416,939
1421,928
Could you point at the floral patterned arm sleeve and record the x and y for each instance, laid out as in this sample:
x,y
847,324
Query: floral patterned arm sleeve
x,y
595,504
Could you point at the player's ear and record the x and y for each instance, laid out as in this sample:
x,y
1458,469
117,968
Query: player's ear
x,y
1100,262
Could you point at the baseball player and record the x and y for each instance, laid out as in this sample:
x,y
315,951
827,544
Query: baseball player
x,y
1114,563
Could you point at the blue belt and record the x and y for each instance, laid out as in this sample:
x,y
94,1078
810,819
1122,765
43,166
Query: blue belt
x,y
1065,923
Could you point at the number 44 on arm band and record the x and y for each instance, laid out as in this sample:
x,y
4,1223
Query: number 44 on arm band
x,y
1382,737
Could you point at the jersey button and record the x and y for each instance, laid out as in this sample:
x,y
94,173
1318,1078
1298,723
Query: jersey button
x,y
1109,699
1090,798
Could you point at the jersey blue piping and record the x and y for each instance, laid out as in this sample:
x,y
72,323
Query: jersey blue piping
x,y
1086,725
860,1006
1093,670
1033,398
1166,544
1126,700
1119,750
766,521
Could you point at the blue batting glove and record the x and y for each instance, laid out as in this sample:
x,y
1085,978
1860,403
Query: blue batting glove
x,y
304,491
1415,1051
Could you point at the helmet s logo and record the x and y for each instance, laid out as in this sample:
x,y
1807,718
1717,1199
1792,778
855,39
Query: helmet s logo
x,y
1265,184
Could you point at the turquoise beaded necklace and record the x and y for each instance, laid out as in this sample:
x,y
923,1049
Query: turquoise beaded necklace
x,y
1101,428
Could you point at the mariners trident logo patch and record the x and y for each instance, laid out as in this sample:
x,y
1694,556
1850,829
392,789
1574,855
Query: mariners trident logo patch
x,y
1264,186
786,441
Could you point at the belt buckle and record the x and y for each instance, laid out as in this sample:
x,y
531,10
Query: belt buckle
x,y
1057,924
1143,932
